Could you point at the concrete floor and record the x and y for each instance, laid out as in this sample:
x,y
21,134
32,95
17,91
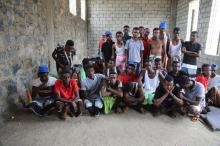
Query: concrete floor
x,y
130,129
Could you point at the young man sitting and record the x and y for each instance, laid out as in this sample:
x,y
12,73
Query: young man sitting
x,y
67,93
194,96
91,88
111,92
204,77
129,75
133,96
42,92
167,98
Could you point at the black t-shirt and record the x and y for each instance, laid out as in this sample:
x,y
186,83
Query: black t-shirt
x,y
193,47
107,50
168,102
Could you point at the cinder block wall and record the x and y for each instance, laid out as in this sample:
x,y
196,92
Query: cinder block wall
x,y
113,15
29,31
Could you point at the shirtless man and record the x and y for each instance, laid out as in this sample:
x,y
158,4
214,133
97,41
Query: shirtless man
x,y
156,46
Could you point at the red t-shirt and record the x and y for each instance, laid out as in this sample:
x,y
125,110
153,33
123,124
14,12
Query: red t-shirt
x,y
147,43
204,80
66,93
125,78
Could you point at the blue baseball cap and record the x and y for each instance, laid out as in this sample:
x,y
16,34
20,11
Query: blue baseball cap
x,y
108,33
163,25
43,68
214,66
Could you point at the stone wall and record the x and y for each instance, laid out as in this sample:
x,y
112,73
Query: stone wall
x,y
113,15
29,30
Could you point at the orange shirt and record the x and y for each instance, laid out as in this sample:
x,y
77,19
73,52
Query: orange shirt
x,y
125,78
66,93
204,80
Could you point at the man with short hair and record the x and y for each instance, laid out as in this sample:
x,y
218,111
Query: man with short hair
x,y
67,93
141,29
126,36
167,97
191,50
128,75
91,88
64,56
204,77
134,50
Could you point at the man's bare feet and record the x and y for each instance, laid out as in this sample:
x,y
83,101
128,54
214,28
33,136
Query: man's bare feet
x,y
141,110
125,110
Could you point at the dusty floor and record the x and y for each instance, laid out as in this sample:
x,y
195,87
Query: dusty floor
x,y
130,129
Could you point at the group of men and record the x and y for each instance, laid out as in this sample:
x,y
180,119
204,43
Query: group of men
x,y
138,72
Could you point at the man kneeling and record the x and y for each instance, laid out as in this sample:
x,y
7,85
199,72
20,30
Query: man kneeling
x,y
166,98
133,96
67,93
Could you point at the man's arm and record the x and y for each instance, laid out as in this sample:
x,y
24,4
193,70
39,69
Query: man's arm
x,y
117,92
158,101
142,65
34,92
191,101
179,101
190,53
113,52
104,91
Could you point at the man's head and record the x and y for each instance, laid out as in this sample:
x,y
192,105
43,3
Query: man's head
x,y
158,63
90,71
156,33
141,30
113,77
108,35
176,32
185,82
176,66
69,45
126,29
206,70
66,76
194,36
146,32
119,36
148,64
214,67
43,73
130,69
135,32
168,82
163,26
103,36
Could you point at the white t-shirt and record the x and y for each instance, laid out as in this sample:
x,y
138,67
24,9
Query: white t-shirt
x,y
51,82
134,48
175,50
214,82
150,85
119,51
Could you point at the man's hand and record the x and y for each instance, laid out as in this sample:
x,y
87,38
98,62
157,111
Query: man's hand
x,y
183,49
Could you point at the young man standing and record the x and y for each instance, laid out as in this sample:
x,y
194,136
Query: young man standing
x,y
107,47
157,48
67,93
141,29
91,88
126,36
134,50
64,56
147,43
191,50
100,43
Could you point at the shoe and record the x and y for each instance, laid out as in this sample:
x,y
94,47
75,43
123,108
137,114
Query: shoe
x,y
97,114
36,109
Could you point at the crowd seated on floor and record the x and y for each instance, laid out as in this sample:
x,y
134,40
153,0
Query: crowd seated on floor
x,y
155,74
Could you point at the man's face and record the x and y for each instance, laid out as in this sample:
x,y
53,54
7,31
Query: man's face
x,y
168,85
126,30
146,32
113,79
148,65
109,38
119,37
186,86
90,73
176,34
66,78
141,30
158,64
130,69
206,71
194,37
176,66
43,77
135,33
156,34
